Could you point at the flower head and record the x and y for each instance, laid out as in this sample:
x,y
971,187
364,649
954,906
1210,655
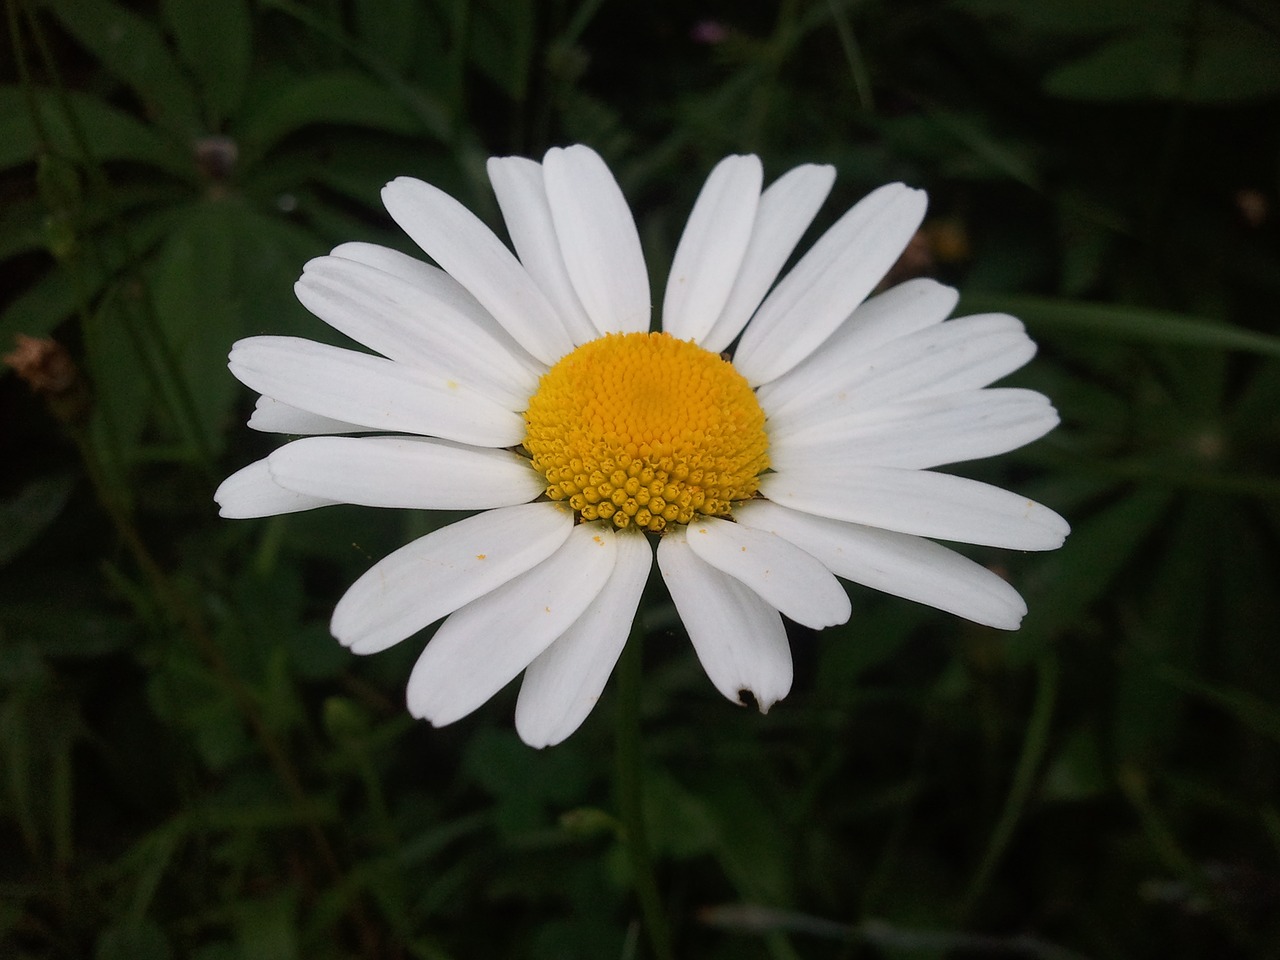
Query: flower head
x,y
529,387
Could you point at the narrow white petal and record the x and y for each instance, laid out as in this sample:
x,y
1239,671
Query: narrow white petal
x,y
272,416
709,255
483,645
598,239
428,330
250,492
562,685
917,433
436,574
522,197
786,209
407,268
782,574
371,391
895,563
919,502
898,312
435,284
829,281
961,354
407,472
739,638
469,251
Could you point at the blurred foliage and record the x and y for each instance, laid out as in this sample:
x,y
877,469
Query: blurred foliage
x,y
191,767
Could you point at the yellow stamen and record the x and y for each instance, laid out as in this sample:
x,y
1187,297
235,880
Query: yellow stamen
x,y
644,429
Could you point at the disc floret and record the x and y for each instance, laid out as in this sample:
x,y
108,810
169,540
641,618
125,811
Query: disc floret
x,y
646,430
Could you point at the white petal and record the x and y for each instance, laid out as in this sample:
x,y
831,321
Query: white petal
x,y
436,574
435,284
407,472
898,312
920,502
272,416
483,645
250,492
371,391
522,197
711,248
407,268
786,209
598,239
456,239
781,573
426,329
829,281
894,563
562,685
916,433
739,638
960,354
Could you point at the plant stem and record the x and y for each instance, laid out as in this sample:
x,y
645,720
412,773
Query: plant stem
x,y
630,790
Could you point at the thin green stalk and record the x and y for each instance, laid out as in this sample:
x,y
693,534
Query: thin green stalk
x,y
162,369
1024,779
630,790
1170,851
192,621
458,65
853,56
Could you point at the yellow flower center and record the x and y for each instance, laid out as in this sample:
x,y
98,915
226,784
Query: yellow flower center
x,y
645,429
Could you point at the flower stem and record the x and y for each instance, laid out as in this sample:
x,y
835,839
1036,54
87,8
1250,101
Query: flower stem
x,y
630,790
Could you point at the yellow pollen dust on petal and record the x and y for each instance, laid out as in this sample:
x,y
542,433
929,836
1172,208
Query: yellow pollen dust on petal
x,y
645,430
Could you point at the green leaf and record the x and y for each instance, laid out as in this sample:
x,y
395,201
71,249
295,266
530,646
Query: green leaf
x,y
1078,772
269,255
79,281
148,861
680,822
1065,584
1077,18
184,692
1248,709
134,51
419,100
132,941
268,928
1225,60
1119,322
39,732
390,27
77,628
1234,60
25,515
338,97
105,131
501,43
1131,67
1166,634
997,154
22,226
524,782
750,847
216,42
124,392
198,309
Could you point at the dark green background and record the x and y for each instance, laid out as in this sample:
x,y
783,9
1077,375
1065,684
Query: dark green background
x,y
191,767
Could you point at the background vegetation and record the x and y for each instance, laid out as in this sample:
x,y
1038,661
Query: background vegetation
x,y
190,767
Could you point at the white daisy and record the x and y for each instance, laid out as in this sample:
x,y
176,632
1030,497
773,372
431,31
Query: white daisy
x,y
528,388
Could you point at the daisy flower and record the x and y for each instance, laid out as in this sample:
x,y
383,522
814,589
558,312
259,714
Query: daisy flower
x,y
529,387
